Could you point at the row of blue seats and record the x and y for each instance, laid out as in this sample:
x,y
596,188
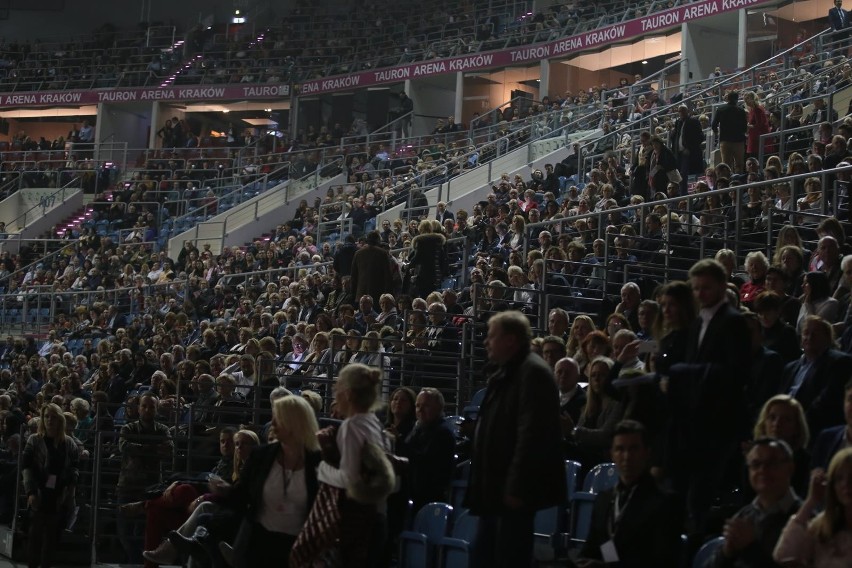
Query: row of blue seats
x,y
17,316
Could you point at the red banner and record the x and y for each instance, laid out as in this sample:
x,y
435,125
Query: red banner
x,y
557,48
200,93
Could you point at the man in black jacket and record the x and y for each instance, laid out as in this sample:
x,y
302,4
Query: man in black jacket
x,y
709,383
731,124
517,464
686,145
636,523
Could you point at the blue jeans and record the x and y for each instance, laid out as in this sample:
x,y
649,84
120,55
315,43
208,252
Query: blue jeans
x,y
504,541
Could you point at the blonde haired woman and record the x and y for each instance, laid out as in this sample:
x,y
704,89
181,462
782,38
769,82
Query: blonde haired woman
x,y
782,417
358,524
826,540
49,468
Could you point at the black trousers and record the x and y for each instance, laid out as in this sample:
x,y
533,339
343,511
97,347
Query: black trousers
x,y
45,530
269,548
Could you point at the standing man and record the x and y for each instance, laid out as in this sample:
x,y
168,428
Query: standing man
x,y
840,19
143,446
371,270
517,464
730,123
709,383
686,145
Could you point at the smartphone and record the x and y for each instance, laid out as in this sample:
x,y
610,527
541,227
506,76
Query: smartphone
x,y
649,346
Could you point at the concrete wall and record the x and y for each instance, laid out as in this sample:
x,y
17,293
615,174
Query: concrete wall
x,y
433,97
124,122
708,43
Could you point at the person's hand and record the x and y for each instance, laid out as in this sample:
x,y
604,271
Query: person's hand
x,y
630,352
218,486
567,425
193,505
816,490
31,501
738,534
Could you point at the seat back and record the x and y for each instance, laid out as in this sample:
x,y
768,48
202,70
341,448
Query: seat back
x,y
602,477
432,521
572,473
706,553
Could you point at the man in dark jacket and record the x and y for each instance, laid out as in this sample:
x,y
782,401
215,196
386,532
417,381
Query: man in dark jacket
x,y
344,255
635,523
832,440
686,145
371,270
731,124
517,464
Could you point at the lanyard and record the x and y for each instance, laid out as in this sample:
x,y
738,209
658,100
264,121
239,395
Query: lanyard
x,y
618,509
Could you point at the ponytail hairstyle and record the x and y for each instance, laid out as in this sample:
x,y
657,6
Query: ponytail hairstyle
x,y
363,383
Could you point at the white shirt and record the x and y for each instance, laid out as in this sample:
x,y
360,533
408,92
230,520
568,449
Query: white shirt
x,y
707,314
285,500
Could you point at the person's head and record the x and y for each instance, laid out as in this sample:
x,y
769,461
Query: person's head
x,y
815,286
756,265
295,423
770,468
596,344
402,401
148,404
357,389
51,422
429,406
81,408
817,337
567,373
557,322
838,496
244,442
767,305
509,335
783,417
552,349
630,451
709,282
226,441
630,296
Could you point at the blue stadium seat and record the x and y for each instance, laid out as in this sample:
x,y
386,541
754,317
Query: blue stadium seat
x,y
471,411
706,552
600,478
418,547
455,550
551,524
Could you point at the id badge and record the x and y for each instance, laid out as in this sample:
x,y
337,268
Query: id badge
x,y
608,552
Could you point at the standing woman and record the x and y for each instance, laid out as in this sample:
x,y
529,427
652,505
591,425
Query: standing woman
x,y
50,473
758,124
349,507
427,260
671,330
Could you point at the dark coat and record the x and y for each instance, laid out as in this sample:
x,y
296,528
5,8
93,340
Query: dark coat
x,y
431,451
821,393
711,383
343,259
247,494
667,162
732,122
427,263
828,443
517,449
371,273
693,137
575,406
647,533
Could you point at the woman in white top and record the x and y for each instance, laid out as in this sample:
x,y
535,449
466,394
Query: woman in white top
x,y
361,525
825,541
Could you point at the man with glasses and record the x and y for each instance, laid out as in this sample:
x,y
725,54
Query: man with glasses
x,y
751,534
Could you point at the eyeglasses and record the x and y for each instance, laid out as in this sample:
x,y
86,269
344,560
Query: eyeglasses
x,y
755,465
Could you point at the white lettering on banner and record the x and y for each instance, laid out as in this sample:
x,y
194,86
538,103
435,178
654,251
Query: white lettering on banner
x,y
700,10
658,21
526,54
431,68
394,74
202,93
157,94
112,96
733,4
59,98
605,35
265,91
308,88
472,62
568,44
19,100
341,82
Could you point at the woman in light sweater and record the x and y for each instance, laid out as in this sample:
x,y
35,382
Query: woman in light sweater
x,y
825,541
361,525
